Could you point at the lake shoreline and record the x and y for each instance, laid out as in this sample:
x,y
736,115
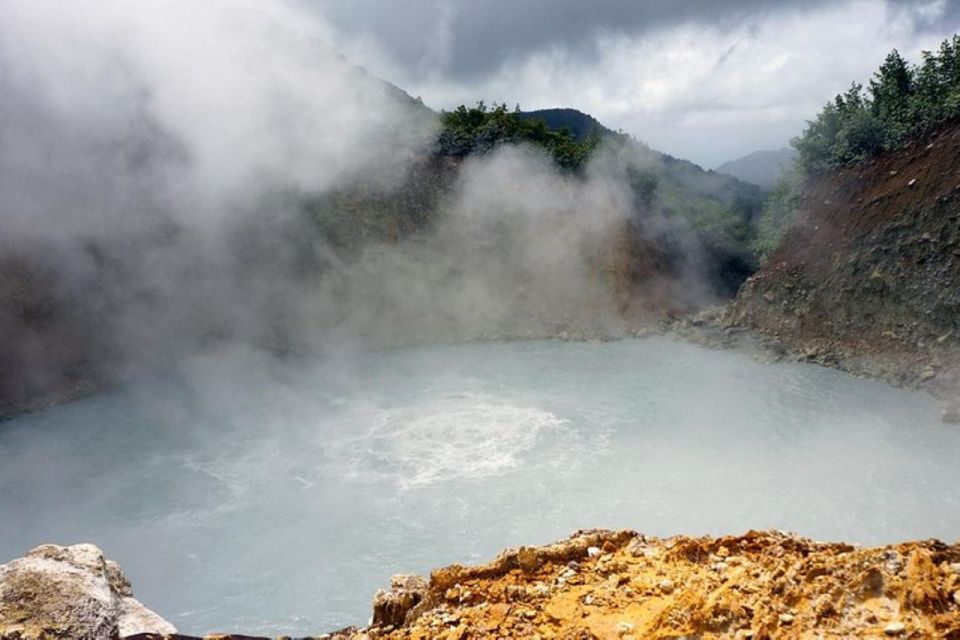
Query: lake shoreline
x,y
936,372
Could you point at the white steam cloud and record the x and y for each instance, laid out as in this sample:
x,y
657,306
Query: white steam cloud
x,y
156,163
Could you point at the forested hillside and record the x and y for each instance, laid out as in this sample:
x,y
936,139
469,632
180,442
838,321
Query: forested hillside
x,y
901,102
578,123
716,212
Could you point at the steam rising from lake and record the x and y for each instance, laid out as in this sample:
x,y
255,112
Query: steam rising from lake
x,y
156,165
236,506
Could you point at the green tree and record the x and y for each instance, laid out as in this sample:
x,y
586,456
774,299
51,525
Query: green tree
x,y
778,214
903,101
480,129
891,90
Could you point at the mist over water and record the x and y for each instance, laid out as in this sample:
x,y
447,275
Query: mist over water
x,y
237,506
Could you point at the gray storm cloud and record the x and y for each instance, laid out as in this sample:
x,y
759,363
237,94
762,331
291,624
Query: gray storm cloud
x,y
470,39
482,36
709,81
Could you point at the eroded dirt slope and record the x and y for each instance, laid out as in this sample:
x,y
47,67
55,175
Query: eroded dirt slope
x,y
869,277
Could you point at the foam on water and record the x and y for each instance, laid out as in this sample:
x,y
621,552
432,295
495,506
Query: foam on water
x,y
273,502
460,436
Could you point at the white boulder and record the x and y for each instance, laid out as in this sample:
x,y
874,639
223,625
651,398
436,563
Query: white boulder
x,y
71,592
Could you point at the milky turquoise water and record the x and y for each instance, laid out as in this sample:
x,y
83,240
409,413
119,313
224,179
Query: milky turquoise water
x,y
239,496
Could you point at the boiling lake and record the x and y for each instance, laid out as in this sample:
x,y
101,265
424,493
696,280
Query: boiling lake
x,y
242,496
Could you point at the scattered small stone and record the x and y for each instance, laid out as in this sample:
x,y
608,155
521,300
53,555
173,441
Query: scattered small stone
x,y
894,629
894,563
623,628
786,618
513,592
956,597
720,566
666,585
951,413
593,552
912,182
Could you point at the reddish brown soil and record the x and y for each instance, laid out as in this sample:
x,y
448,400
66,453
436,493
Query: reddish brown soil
x,y
868,279
603,584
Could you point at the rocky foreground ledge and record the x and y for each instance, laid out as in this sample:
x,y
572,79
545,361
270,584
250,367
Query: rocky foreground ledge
x,y
70,592
597,584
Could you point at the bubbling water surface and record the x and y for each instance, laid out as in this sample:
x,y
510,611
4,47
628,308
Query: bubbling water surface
x,y
241,497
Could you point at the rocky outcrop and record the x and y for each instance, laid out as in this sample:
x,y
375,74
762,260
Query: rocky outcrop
x,y
597,584
391,607
621,584
70,592
868,279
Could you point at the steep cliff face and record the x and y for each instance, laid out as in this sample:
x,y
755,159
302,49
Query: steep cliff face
x,y
868,278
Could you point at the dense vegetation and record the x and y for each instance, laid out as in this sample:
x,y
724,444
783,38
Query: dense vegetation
x,y
778,212
581,125
476,130
902,101
716,212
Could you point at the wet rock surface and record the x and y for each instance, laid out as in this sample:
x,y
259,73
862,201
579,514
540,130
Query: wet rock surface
x,y
70,592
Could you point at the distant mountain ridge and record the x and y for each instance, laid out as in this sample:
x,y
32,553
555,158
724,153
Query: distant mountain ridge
x,y
579,124
762,168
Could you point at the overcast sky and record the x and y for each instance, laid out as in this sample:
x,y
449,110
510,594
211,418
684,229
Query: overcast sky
x,y
707,80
